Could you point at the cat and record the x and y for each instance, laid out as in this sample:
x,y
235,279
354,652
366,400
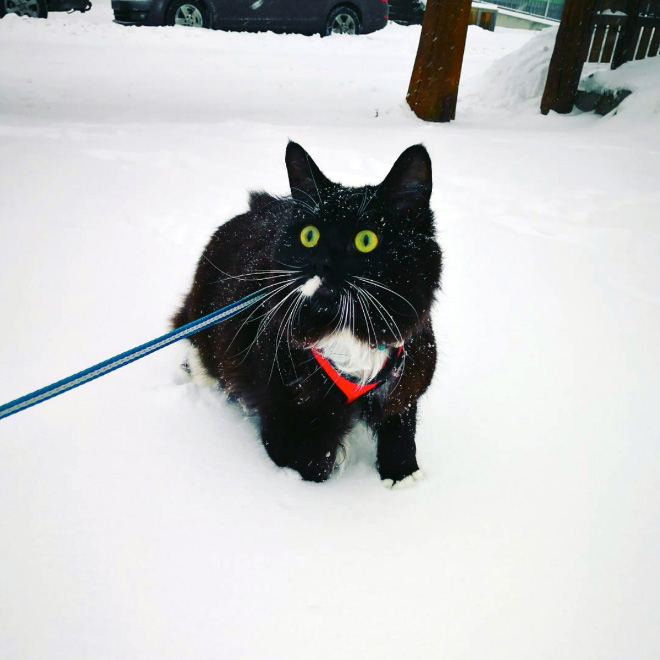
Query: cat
x,y
344,334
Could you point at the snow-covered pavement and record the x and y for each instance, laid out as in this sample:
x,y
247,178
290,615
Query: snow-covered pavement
x,y
140,517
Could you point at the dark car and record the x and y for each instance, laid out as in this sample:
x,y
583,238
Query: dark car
x,y
302,16
407,12
40,8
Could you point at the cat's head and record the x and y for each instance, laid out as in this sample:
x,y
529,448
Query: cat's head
x,y
366,257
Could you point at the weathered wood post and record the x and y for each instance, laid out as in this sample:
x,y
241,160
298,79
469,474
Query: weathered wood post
x,y
434,83
625,47
568,57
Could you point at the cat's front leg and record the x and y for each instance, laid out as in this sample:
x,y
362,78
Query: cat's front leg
x,y
304,439
397,460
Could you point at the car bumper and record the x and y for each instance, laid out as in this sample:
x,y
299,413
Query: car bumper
x,y
376,18
373,24
132,12
69,5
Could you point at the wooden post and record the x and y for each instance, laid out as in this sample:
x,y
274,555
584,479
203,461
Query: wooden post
x,y
434,83
568,57
625,47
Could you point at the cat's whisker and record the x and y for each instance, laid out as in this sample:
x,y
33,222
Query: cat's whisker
x,y
378,306
364,314
301,302
260,330
266,273
282,263
314,204
352,303
266,319
349,313
309,213
344,310
362,204
382,286
404,355
318,192
278,336
332,321
254,275
300,307
306,211
289,327
282,331
371,199
365,307
263,278
342,306
262,303
339,325
236,276
307,208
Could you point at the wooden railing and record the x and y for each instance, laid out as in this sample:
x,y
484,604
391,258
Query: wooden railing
x,y
624,32
615,31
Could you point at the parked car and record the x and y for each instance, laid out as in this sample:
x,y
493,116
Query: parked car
x,y
40,8
302,16
407,12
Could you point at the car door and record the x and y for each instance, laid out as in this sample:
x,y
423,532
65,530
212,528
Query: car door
x,y
252,15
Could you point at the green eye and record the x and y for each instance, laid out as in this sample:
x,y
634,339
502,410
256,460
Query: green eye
x,y
309,236
366,241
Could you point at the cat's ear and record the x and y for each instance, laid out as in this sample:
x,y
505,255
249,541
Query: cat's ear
x,y
407,188
305,178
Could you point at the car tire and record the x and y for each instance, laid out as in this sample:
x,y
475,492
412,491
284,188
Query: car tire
x,y
34,8
343,20
191,13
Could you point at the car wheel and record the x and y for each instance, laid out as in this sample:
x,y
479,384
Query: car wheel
x,y
32,8
343,20
190,13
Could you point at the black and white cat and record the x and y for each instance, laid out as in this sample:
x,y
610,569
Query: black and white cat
x,y
345,333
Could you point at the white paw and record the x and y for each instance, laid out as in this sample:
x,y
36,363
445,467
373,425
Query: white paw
x,y
406,482
196,371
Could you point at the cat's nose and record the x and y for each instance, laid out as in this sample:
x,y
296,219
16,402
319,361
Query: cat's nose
x,y
323,268
322,265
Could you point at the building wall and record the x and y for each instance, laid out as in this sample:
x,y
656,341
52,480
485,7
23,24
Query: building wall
x,y
509,19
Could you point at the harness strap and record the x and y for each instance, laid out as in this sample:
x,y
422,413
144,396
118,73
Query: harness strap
x,y
352,390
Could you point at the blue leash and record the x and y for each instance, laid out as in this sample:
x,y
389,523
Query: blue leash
x,y
98,370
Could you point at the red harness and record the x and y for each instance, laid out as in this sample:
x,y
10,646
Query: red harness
x,y
351,390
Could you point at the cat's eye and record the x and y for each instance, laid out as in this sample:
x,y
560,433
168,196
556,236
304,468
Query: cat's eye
x,y
309,236
366,240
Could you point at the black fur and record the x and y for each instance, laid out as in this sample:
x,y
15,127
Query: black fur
x,y
263,355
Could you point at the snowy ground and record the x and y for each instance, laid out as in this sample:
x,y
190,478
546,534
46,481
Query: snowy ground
x,y
140,517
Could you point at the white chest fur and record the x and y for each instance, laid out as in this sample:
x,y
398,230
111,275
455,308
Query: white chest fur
x,y
352,357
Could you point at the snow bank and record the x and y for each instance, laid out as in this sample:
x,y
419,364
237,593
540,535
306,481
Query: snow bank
x,y
517,79
641,77
515,82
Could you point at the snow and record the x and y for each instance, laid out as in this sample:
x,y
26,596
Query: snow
x,y
140,515
640,77
516,79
